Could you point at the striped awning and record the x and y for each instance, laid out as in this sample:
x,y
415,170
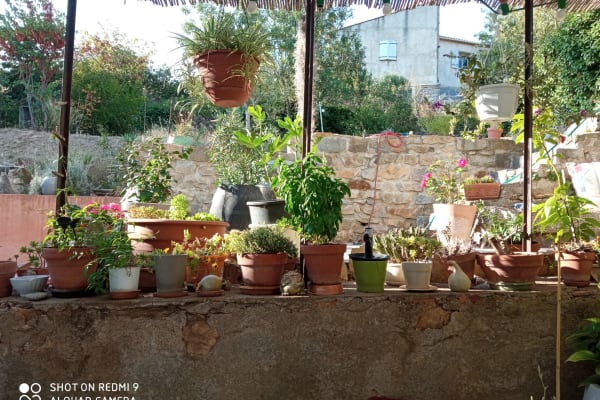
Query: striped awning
x,y
397,5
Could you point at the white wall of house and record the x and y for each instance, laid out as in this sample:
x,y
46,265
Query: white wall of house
x,y
408,44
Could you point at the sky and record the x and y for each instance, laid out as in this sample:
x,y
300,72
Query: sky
x,y
156,25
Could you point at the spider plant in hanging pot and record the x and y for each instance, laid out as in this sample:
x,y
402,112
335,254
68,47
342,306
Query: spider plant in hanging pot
x,y
227,48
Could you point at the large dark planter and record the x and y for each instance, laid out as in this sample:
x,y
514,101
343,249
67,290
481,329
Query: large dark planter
x,y
324,267
229,203
576,267
511,272
220,71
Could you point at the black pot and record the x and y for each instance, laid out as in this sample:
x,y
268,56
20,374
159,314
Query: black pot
x,y
229,204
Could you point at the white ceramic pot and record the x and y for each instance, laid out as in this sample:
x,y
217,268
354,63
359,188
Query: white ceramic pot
x,y
497,102
124,279
394,275
417,274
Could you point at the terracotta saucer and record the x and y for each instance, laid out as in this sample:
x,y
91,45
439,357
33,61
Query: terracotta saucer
x,y
209,293
326,289
124,295
577,283
259,290
170,294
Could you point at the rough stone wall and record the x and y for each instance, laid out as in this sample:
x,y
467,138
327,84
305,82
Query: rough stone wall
x,y
396,198
444,345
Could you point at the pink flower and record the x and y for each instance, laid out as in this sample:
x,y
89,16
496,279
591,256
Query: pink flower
x,y
425,179
461,163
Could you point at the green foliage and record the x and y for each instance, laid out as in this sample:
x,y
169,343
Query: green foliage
x,y
586,343
436,124
33,251
313,197
180,207
108,79
499,228
260,240
31,42
572,53
148,169
411,244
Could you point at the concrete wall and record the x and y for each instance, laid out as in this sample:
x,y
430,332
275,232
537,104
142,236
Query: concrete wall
x,y
416,33
402,345
449,50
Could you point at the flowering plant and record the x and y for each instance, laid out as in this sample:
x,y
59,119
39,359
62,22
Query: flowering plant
x,y
444,182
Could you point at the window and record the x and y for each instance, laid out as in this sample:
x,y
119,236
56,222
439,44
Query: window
x,y
460,60
387,50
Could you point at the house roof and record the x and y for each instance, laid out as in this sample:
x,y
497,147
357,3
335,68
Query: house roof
x,y
397,5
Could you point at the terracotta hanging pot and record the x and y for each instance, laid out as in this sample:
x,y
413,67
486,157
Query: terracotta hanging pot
x,y
224,76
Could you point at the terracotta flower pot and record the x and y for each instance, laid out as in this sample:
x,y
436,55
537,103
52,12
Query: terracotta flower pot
x,y
482,191
159,233
69,269
457,218
8,269
261,273
324,267
220,76
576,267
440,272
511,272
212,265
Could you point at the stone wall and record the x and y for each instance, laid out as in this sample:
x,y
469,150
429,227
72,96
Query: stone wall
x,y
395,198
443,345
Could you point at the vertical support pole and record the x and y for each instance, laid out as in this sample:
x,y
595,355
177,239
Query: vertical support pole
x,y
308,76
528,121
65,106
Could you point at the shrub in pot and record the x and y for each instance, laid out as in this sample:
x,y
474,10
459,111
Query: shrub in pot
x,y
262,253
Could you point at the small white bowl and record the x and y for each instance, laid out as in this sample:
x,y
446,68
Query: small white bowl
x,y
29,283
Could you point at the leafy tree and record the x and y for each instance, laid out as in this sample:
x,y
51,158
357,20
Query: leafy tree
x,y
108,82
31,42
571,55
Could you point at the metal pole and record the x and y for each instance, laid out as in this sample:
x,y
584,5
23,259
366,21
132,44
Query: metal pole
x,y
65,107
308,76
528,120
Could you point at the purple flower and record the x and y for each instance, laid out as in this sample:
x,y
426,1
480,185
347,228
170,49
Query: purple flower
x,y
582,113
537,112
437,106
461,163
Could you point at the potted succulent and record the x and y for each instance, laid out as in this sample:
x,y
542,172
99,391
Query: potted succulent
x,y
227,48
481,187
415,248
568,216
452,249
505,268
262,253
586,345
313,198
158,227
33,251
206,256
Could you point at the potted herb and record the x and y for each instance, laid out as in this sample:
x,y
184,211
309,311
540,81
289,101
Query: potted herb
x,y
414,248
566,215
227,48
262,253
452,249
158,227
33,251
313,198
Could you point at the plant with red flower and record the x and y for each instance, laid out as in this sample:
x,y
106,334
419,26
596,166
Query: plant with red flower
x,y
445,182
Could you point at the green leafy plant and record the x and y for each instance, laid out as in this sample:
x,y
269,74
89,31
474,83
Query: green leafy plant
x,y
148,169
499,228
313,197
478,179
586,343
33,251
200,249
179,210
407,244
260,240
